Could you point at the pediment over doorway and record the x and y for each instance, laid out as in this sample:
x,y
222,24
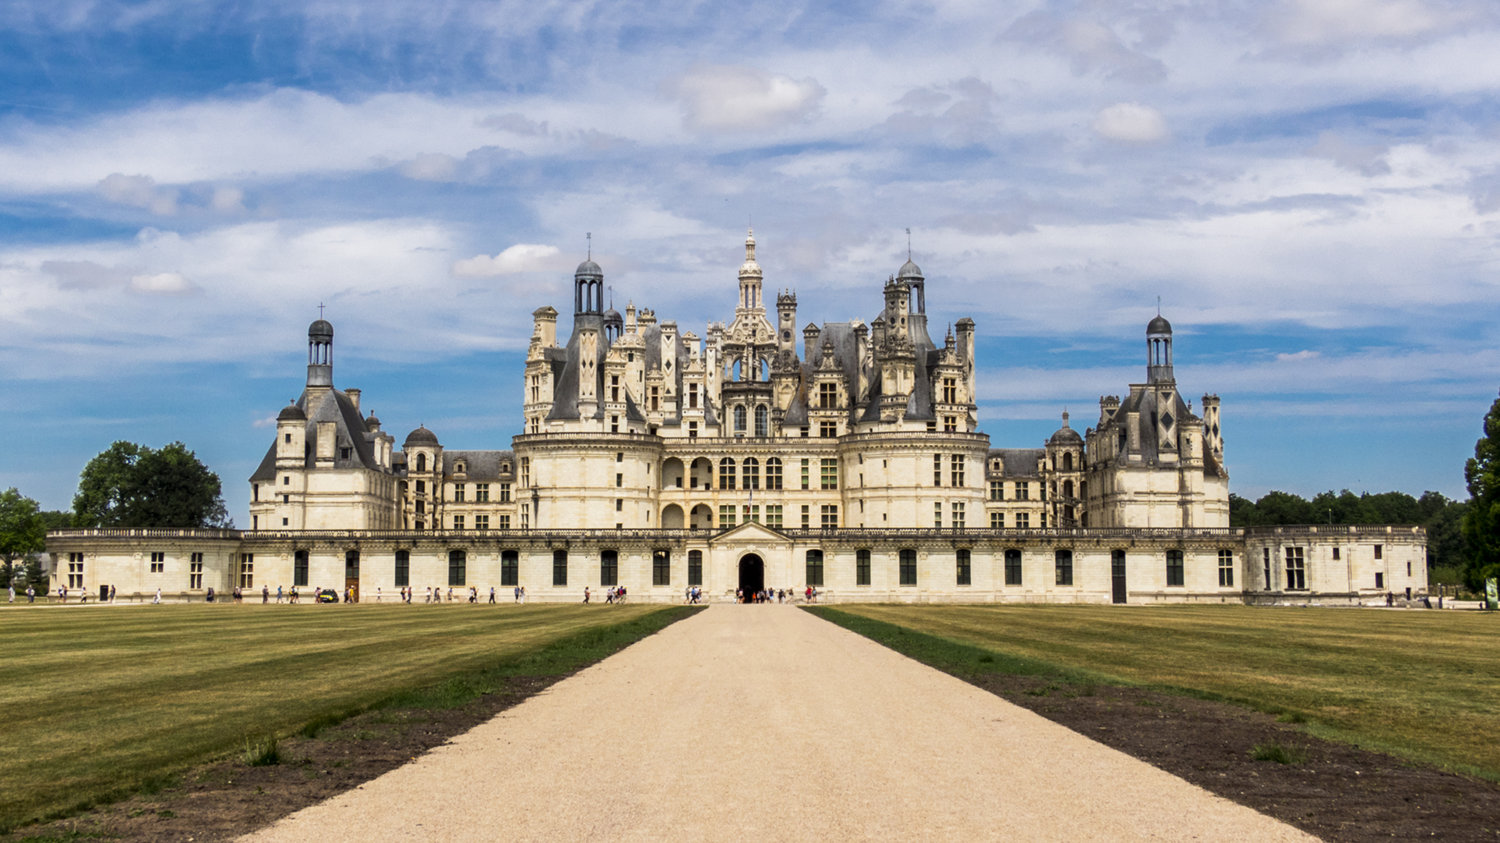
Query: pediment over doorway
x,y
750,535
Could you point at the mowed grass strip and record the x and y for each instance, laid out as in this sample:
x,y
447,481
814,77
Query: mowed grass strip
x,y
1423,685
104,701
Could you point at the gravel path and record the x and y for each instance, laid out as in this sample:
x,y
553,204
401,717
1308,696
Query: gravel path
x,y
766,721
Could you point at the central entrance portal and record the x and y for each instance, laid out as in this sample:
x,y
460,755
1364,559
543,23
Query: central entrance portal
x,y
752,577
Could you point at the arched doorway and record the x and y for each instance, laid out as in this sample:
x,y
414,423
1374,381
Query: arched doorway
x,y
671,517
752,576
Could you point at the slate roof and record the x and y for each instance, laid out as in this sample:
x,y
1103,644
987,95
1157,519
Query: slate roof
x,y
328,405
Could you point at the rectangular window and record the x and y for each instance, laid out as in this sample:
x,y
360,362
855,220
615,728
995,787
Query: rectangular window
x,y
773,474
773,516
1379,551
481,522
525,471
299,568
1296,570
862,567
830,517
997,520
815,568
505,493
1064,561
1335,554
510,568
458,492
247,570
806,517
907,564
421,486
804,474
997,490
458,565
958,515
661,567
403,568
828,396
609,567
1226,568
937,469
950,390
695,567
1012,567
937,515
956,469
828,429
619,480
1174,568
1380,579
830,473
75,569
458,522
962,561
728,512
158,561
559,568
726,474
503,521
692,430
481,493
752,513
1023,490
1023,521
1265,558
195,571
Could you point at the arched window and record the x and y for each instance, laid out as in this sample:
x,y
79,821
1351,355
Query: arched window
x,y
739,419
1067,490
726,473
1067,461
421,462
762,421
773,473
750,472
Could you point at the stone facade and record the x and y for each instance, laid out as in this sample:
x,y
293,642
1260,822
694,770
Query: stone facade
x,y
656,459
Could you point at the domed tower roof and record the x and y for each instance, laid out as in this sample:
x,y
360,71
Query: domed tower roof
x,y
1065,435
291,413
909,271
1158,325
321,329
420,436
750,266
588,269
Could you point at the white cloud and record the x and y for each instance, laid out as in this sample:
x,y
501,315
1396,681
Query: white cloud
x,y
1130,122
433,166
722,98
162,283
522,257
140,192
227,200
1317,22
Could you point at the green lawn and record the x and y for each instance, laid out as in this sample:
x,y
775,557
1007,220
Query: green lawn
x,y
101,701
1421,684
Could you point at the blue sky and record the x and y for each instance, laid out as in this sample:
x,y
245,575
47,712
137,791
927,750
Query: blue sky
x,y
1312,187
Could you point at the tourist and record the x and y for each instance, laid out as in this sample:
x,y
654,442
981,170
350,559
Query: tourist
x,y
111,594
585,594
518,594
378,594
473,594
30,594
450,594
12,593
492,595
156,601
427,596
278,594
265,594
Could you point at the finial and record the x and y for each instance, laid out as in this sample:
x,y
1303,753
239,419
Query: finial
x,y
1158,305
320,310
611,297
908,243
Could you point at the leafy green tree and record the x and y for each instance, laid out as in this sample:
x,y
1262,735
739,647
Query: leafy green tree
x,y
134,486
23,532
1275,508
1481,525
1242,512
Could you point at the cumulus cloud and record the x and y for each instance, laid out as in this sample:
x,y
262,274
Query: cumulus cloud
x,y
1367,160
522,257
1090,47
1130,122
433,166
722,98
963,111
1321,22
140,192
162,284
227,200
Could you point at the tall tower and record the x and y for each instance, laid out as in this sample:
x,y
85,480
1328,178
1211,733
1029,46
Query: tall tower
x,y
320,354
1159,351
750,279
